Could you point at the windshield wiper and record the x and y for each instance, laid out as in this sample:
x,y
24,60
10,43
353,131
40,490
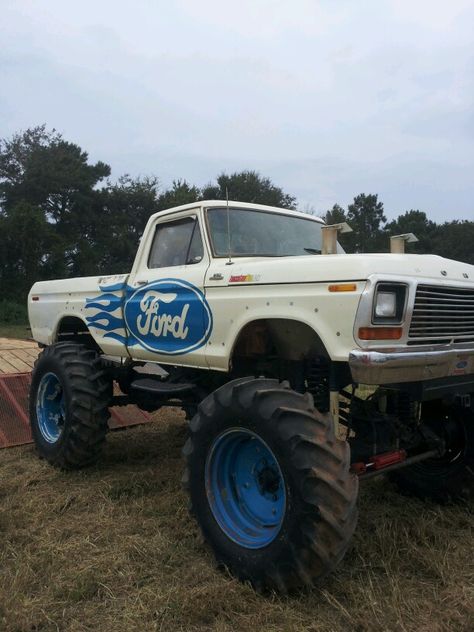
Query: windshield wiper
x,y
313,251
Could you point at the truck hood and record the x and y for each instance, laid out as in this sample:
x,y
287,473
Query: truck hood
x,y
344,267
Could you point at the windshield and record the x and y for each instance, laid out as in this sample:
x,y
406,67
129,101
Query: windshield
x,y
262,233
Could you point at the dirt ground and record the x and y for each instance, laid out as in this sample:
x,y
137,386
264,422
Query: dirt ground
x,y
113,549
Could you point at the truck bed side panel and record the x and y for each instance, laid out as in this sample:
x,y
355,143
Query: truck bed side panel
x,y
96,301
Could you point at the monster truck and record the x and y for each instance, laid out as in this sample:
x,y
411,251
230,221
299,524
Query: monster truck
x,y
301,368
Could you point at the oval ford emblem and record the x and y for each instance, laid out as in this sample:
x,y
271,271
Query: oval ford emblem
x,y
169,316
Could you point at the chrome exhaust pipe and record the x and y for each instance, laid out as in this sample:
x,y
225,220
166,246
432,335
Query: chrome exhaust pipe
x,y
397,242
329,233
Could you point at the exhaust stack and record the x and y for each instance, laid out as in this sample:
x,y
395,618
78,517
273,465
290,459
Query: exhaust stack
x,y
330,232
397,242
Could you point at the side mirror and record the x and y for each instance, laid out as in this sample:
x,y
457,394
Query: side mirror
x,y
196,259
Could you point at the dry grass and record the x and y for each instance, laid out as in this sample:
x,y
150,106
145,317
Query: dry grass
x,y
113,549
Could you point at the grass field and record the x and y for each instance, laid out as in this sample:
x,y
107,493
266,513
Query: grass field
x,y
113,549
20,332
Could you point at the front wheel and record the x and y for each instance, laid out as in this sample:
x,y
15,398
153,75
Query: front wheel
x,y
270,484
69,396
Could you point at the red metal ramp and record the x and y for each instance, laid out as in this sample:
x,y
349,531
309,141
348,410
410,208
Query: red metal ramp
x,y
14,423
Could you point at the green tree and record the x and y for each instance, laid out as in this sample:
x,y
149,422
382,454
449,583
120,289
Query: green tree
x,y
415,222
125,209
15,156
366,218
180,193
335,215
42,168
248,186
26,244
48,190
455,240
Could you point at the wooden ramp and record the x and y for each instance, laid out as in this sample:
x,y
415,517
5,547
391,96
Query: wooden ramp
x,y
17,358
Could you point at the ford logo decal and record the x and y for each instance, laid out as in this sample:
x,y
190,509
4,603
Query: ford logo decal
x,y
169,316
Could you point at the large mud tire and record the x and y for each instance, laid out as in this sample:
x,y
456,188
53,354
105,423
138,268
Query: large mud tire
x,y
319,511
449,478
69,398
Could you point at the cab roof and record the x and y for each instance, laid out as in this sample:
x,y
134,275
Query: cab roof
x,y
234,204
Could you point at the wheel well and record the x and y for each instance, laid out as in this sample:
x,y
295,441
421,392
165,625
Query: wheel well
x,y
74,329
288,339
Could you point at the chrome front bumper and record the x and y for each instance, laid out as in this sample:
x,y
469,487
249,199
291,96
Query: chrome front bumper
x,y
412,364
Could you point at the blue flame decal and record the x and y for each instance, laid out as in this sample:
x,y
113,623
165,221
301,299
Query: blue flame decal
x,y
113,288
101,307
105,302
105,322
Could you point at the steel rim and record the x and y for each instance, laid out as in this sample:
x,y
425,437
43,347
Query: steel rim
x,y
245,488
50,408
451,429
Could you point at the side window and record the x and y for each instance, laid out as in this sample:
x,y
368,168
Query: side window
x,y
176,244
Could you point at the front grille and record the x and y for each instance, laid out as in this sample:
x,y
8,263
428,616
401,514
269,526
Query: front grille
x,y
442,314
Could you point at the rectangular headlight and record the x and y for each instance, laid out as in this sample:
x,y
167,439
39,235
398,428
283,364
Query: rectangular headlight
x,y
386,304
389,303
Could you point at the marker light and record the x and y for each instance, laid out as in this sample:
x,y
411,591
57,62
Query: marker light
x,y
380,333
342,287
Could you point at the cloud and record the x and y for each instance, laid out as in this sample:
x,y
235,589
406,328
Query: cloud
x,y
329,99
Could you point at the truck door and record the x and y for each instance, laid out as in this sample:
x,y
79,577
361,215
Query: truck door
x,y
166,313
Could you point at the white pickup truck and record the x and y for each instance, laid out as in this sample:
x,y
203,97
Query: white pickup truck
x,y
365,365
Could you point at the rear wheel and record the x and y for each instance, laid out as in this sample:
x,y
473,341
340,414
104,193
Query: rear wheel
x,y
450,477
69,398
270,484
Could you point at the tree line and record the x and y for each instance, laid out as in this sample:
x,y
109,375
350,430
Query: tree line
x,y
371,231
62,216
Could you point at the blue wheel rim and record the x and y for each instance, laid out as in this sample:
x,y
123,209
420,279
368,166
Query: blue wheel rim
x,y
245,488
50,407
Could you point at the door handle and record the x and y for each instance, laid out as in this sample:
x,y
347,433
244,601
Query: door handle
x,y
217,276
141,282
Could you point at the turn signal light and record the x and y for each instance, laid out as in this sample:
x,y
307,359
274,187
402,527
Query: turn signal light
x,y
380,333
343,287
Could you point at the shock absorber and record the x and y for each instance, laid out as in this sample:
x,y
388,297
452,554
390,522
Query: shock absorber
x,y
406,408
317,382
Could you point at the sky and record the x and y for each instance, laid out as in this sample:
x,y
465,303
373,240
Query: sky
x,y
328,98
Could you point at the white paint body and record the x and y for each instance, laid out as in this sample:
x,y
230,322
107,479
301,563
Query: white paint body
x,y
293,288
